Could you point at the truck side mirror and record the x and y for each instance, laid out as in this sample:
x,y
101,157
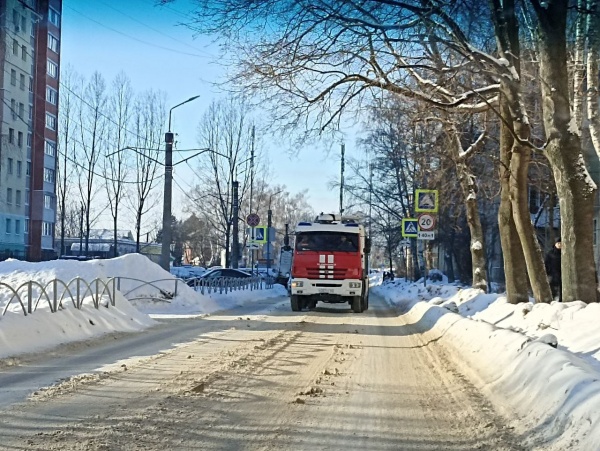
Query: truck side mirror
x,y
367,245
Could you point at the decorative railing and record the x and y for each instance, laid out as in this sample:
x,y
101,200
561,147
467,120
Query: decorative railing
x,y
30,294
228,284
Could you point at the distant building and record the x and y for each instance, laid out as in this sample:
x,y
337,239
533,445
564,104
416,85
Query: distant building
x,y
30,32
101,245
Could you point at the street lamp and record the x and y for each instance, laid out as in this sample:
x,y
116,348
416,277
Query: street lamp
x,y
167,232
269,218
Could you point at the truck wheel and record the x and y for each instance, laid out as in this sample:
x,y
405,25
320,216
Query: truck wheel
x,y
357,304
295,303
312,305
366,302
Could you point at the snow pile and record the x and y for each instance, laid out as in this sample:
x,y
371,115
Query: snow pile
x,y
509,351
46,329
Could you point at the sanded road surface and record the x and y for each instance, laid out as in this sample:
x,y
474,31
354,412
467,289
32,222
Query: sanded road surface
x,y
322,380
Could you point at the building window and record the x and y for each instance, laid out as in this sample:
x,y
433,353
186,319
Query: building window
x,y
9,196
52,42
13,109
51,95
29,135
54,17
18,198
50,121
23,24
30,112
10,165
27,226
48,175
46,228
17,226
24,53
15,47
47,201
20,139
19,168
30,84
28,173
52,69
8,225
13,77
50,148
15,18
22,82
21,110
11,135
27,196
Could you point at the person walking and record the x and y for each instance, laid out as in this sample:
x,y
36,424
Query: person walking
x,y
552,263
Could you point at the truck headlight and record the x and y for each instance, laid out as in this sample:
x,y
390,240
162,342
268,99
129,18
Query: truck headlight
x,y
297,284
354,284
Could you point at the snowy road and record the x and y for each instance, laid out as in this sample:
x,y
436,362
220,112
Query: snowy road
x,y
327,379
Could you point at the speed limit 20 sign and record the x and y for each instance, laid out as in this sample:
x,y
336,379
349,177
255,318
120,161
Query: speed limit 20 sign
x,y
426,221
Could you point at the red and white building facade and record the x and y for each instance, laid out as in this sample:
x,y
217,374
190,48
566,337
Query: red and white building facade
x,y
30,32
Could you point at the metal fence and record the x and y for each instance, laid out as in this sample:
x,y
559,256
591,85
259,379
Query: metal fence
x,y
30,294
228,284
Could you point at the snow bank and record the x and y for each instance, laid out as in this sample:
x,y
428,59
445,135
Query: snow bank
x,y
555,392
43,329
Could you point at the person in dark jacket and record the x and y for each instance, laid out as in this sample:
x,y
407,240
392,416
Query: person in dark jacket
x,y
552,263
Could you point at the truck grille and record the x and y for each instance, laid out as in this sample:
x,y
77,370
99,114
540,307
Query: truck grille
x,y
326,273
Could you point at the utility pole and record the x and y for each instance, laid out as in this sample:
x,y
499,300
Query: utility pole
x,y
342,181
167,220
251,196
81,231
235,254
370,195
269,222
165,254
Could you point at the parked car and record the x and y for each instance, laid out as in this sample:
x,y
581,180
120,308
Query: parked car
x,y
223,273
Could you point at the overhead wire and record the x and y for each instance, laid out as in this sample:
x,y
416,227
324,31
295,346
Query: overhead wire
x,y
134,38
152,28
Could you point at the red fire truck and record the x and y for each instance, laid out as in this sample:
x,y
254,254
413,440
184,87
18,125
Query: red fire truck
x,y
330,263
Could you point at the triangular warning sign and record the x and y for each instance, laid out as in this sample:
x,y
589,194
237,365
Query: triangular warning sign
x,y
426,201
411,227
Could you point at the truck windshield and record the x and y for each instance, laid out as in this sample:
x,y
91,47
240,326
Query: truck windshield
x,y
327,241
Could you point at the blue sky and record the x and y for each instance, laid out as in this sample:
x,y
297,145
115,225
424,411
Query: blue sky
x,y
149,45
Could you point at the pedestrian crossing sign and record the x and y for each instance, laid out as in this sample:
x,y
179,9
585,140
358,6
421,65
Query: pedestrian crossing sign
x,y
260,234
410,227
426,201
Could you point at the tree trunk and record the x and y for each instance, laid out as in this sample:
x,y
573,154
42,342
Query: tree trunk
x,y
576,190
593,31
534,259
515,269
469,188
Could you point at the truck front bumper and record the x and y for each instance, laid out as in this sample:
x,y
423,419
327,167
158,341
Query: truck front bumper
x,y
326,287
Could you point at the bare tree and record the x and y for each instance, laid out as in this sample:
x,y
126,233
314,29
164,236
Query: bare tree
x,y
148,120
317,59
65,149
116,164
226,131
91,129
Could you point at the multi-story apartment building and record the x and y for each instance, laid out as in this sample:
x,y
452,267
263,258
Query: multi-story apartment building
x,y
29,86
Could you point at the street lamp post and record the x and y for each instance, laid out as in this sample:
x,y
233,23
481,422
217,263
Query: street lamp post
x,y
167,232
